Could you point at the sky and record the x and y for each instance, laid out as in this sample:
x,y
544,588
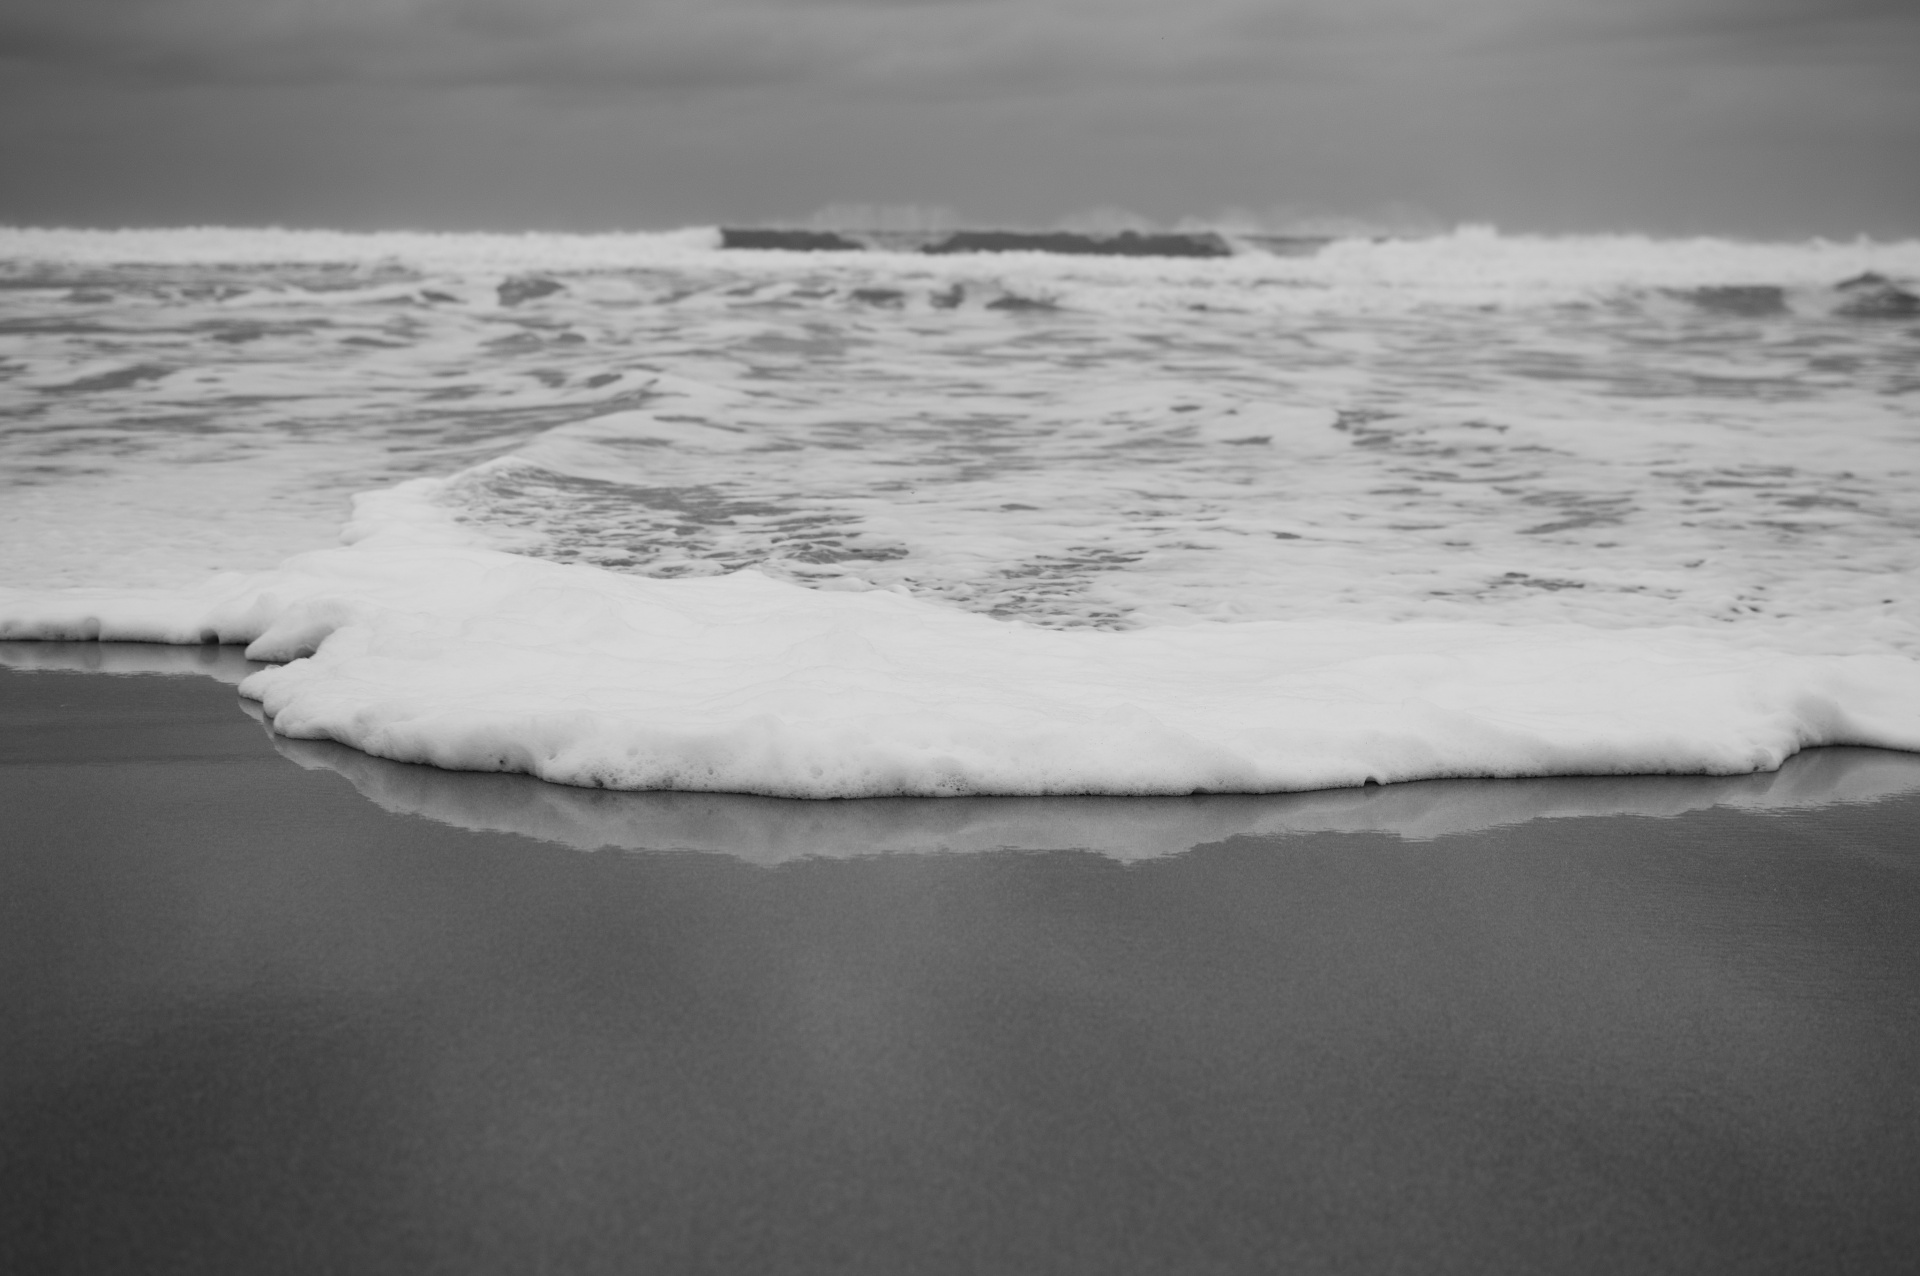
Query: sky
x,y
1759,118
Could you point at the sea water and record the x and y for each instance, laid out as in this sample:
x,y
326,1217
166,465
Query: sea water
x,y
638,512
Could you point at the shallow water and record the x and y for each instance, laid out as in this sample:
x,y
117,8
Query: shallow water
x,y
1521,431
1667,448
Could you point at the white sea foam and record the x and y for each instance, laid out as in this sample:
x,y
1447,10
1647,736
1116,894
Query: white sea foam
x,y
479,660
1468,505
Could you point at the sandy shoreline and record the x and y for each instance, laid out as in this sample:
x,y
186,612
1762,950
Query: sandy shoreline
x,y
291,1009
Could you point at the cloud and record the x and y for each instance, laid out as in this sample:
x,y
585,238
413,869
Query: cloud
x,y
689,45
428,42
1768,30
979,50
1777,116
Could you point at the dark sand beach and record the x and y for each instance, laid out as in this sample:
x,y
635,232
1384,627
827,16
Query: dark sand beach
x,y
278,1007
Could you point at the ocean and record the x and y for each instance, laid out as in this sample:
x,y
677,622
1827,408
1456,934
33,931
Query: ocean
x,y
643,512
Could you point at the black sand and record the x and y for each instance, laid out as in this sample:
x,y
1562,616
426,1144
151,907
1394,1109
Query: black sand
x,y
256,1022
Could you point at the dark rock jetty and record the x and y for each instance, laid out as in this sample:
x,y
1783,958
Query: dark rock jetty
x,y
1126,243
793,241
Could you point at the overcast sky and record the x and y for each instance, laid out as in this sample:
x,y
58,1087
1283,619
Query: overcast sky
x,y
1755,117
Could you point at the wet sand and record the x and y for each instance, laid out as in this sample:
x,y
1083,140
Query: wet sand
x,y
275,1006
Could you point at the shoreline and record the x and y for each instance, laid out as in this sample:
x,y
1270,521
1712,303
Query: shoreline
x,y
264,1023
773,829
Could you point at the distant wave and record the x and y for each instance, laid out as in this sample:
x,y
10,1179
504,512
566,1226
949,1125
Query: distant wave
x,y
1473,263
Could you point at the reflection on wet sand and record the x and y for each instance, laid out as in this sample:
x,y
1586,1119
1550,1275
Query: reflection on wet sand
x,y
766,830
222,663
